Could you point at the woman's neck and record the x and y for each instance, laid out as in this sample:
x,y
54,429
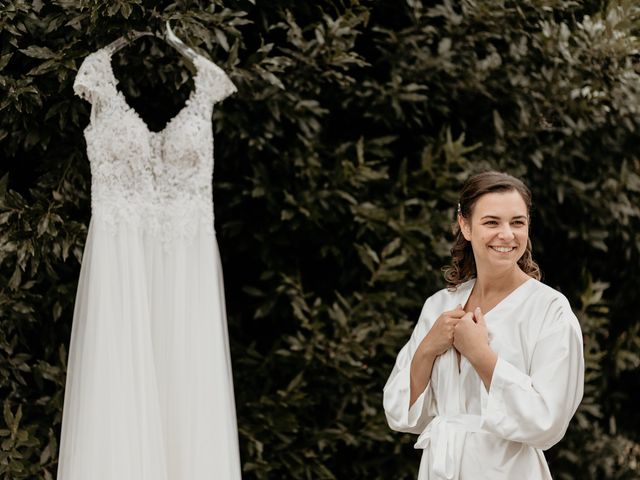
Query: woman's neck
x,y
497,283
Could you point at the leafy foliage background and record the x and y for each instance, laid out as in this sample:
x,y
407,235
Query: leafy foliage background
x,y
338,164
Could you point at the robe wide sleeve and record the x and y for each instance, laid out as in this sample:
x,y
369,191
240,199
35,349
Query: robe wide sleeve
x,y
535,408
397,390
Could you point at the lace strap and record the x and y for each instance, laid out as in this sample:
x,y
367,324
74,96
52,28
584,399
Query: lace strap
x,y
215,83
92,80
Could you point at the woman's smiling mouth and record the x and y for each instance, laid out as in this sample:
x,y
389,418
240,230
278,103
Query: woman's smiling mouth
x,y
502,249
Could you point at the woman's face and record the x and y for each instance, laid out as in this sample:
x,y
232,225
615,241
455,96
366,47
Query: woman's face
x,y
498,230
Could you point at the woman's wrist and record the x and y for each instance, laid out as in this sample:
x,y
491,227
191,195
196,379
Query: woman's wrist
x,y
427,355
484,362
480,353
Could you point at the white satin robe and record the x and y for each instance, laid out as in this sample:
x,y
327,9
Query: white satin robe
x,y
467,433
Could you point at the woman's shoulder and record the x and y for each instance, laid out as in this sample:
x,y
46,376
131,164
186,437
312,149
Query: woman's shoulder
x,y
544,293
447,298
553,305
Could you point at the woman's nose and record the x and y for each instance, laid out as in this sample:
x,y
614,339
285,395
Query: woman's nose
x,y
506,232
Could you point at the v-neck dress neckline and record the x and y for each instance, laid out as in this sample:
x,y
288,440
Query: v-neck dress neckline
x,y
119,94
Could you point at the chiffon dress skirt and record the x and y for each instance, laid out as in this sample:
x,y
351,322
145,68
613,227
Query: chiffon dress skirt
x,y
149,391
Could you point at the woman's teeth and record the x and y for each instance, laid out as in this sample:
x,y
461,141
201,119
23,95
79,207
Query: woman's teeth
x,y
503,249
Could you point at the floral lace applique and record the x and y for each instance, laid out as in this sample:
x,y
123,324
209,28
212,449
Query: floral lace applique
x,y
157,181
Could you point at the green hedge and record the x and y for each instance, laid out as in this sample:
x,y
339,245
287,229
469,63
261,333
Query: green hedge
x,y
338,164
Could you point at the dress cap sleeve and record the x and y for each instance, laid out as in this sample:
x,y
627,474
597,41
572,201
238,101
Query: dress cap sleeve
x,y
215,82
92,77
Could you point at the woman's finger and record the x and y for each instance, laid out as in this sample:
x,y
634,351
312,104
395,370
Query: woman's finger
x,y
457,312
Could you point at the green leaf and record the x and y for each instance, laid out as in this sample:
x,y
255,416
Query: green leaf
x,y
43,53
222,39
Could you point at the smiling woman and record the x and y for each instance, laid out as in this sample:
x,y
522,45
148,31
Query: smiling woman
x,y
494,369
499,201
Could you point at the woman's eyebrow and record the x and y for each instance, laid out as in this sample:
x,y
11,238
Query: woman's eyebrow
x,y
517,217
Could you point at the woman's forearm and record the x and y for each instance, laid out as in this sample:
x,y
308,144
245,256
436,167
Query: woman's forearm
x,y
421,366
484,362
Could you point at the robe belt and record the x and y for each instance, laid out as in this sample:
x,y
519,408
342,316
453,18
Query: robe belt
x,y
442,438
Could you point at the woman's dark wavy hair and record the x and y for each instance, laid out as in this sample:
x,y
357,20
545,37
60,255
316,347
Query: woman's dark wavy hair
x,y
463,264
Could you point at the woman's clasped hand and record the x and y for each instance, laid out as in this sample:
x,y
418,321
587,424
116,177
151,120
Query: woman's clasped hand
x,y
465,331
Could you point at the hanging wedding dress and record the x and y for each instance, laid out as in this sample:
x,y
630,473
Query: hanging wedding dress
x,y
149,392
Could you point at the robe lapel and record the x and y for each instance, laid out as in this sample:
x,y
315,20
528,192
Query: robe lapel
x,y
464,291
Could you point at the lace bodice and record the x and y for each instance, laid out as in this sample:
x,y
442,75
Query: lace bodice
x,y
159,181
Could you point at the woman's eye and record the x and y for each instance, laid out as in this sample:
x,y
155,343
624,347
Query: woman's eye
x,y
491,222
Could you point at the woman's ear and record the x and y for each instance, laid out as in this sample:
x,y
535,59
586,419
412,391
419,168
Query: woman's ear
x,y
465,228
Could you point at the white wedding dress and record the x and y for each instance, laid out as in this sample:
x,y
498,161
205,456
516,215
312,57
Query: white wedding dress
x,y
149,392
